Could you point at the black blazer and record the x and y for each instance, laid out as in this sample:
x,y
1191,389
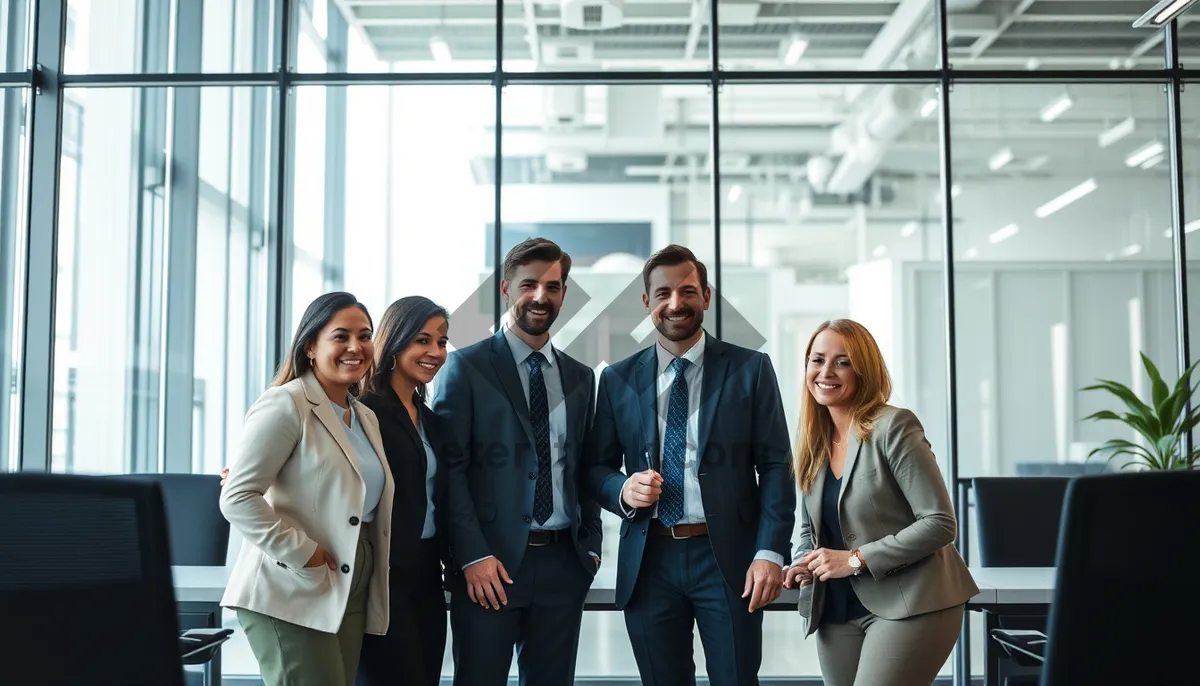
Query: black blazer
x,y
745,456
406,458
491,478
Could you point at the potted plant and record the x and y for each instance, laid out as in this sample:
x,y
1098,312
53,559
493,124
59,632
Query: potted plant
x,y
1163,423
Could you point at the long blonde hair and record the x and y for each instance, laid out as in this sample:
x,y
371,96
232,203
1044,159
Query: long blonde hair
x,y
874,389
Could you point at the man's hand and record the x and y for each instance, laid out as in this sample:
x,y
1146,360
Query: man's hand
x,y
797,576
764,580
483,583
596,559
642,489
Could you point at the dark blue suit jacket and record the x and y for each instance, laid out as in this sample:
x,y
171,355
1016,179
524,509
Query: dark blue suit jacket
x,y
491,477
745,456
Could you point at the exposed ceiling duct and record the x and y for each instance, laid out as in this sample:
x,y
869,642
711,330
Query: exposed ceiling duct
x,y
864,139
592,15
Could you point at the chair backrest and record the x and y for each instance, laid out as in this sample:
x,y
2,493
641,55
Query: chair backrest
x,y
86,593
198,532
1017,519
1124,594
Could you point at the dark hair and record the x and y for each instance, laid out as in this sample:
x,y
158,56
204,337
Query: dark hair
x,y
315,318
673,254
535,250
398,328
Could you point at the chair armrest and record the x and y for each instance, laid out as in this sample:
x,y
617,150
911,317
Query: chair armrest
x,y
1022,643
198,646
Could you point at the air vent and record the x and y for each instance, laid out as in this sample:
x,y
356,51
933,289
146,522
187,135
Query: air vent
x,y
592,15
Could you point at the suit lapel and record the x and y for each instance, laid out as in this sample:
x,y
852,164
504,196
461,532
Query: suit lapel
x,y
323,408
576,402
506,371
852,448
645,386
813,502
715,365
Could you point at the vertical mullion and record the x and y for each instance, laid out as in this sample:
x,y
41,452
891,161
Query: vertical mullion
x,y
183,193
497,166
714,156
45,111
279,242
11,116
335,153
1178,212
259,212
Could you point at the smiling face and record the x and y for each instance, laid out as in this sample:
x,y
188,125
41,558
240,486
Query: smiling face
x,y
421,359
829,376
677,301
534,296
342,350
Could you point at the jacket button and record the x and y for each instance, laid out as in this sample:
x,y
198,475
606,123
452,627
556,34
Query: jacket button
x,y
527,518
532,476
345,569
643,531
281,564
354,521
851,537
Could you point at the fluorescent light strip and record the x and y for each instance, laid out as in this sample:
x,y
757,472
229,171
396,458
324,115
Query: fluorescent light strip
x,y
908,229
1145,153
1117,132
880,250
1153,162
928,108
1056,107
440,49
1163,12
1131,250
970,253
1065,199
795,50
1004,234
735,192
1002,157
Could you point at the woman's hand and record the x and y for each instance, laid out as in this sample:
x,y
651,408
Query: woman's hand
x,y
224,476
321,557
825,564
797,576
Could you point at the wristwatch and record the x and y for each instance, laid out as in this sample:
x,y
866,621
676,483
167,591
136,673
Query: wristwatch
x,y
855,562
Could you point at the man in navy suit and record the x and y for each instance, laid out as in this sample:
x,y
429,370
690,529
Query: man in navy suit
x,y
707,495
524,539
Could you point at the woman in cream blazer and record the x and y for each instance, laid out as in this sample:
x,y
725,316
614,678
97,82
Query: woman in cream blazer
x,y
882,585
311,494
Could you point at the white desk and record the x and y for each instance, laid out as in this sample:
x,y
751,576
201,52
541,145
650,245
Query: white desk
x,y
1013,585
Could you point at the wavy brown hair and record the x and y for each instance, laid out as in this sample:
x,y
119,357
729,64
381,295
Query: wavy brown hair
x,y
874,389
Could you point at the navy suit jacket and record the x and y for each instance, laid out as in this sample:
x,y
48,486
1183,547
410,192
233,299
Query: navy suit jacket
x,y
491,476
745,456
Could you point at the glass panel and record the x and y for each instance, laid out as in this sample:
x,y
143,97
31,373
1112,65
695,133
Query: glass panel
x,y
134,36
1051,34
13,174
1063,271
818,223
13,29
417,35
1190,129
817,35
120,203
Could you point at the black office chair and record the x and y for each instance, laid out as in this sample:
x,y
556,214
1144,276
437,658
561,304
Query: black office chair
x,y
86,593
197,531
1017,526
1124,597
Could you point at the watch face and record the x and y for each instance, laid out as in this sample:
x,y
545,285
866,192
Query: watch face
x,y
855,563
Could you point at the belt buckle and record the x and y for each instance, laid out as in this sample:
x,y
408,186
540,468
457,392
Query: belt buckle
x,y
678,538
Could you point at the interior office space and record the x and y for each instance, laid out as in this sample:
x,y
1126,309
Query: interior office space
x,y
1003,191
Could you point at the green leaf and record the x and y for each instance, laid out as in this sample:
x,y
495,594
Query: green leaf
x,y
1127,396
1158,389
1104,414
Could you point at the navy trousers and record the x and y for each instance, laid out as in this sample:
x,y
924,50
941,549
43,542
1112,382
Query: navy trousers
x,y
679,586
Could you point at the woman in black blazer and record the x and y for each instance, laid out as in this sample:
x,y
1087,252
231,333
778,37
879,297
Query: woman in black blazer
x,y
410,347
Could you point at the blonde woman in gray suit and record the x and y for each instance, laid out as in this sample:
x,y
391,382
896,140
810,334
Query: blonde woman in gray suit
x,y
882,585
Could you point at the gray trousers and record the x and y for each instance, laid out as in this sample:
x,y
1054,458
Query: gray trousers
x,y
292,655
870,651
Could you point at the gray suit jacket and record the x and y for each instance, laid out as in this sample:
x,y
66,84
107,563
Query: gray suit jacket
x,y
895,509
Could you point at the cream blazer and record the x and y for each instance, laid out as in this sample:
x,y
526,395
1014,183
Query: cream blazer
x,y
295,486
894,507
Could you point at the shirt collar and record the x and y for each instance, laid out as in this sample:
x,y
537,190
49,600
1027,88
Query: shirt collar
x,y
521,350
695,355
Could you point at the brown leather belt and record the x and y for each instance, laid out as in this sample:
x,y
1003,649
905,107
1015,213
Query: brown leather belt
x,y
679,530
541,538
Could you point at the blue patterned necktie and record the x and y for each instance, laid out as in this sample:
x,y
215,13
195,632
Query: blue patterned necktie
x,y
539,416
670,504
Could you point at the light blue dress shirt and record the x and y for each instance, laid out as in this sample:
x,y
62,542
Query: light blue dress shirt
x,y
368,461
430,478
693,500
556,402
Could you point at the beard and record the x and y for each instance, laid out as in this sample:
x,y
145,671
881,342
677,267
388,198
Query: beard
x,y
680,331
531,324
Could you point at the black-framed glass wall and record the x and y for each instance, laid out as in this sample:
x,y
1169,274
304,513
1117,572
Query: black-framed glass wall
x,y
170,198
